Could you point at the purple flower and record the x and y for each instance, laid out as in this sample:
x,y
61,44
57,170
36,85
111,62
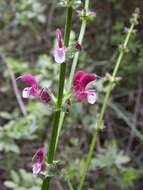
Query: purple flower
x,y
39,155
37,168
39,164
28,79
60,51
80,81
33,90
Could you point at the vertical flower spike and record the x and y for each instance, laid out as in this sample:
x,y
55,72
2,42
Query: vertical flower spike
x,y
59,51
80,81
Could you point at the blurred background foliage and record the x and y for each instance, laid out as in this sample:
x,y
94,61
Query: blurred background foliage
x,y
27,30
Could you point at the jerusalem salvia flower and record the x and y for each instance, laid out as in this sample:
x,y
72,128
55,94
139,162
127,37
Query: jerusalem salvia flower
x,y
60,51
39,163
80,82
33,89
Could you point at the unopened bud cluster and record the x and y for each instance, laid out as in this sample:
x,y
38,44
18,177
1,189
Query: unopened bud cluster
x,y
135,16
123,48
86,15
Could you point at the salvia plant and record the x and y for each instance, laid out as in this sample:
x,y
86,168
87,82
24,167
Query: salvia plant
x,y
74,89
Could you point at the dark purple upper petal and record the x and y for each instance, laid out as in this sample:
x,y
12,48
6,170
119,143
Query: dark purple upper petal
x,y
76,80
39,155
85,79
80,81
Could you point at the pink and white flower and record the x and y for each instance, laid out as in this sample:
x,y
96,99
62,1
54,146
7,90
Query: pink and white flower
x,y
60,51
80,82
37,168
39,164
33,89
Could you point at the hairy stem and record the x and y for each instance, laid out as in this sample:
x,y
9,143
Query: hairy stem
x,y
104,106
51,150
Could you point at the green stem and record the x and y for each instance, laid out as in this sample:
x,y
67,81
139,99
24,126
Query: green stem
x,y
51,150
74,65
69,185
103,109
76,56
80,40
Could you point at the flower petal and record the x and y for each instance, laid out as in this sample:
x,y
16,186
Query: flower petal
x,y
59,38
30,91
80,81
91,98
36,168
34,91
76,80
39,155
60,55
28,79
26,92
85,79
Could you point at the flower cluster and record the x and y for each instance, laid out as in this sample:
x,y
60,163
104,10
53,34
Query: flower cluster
x,y
33,89
80,79
79,88
80,82
39,164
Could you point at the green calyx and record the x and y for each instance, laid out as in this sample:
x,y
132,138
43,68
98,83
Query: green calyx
x,y
51,170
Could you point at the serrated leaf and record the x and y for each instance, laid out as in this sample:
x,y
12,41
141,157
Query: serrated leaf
x,y
111,157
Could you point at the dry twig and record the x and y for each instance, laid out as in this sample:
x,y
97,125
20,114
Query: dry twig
x,y
14,84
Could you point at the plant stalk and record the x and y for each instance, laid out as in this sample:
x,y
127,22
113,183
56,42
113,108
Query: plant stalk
x,y
104,106
74,65
51,150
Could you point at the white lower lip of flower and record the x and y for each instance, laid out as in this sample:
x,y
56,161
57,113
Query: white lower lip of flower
x,y
59,55
25,93
36,169
91,98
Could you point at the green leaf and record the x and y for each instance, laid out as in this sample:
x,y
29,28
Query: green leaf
x,y
111,157
15,177
6,115
10,184
18,66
